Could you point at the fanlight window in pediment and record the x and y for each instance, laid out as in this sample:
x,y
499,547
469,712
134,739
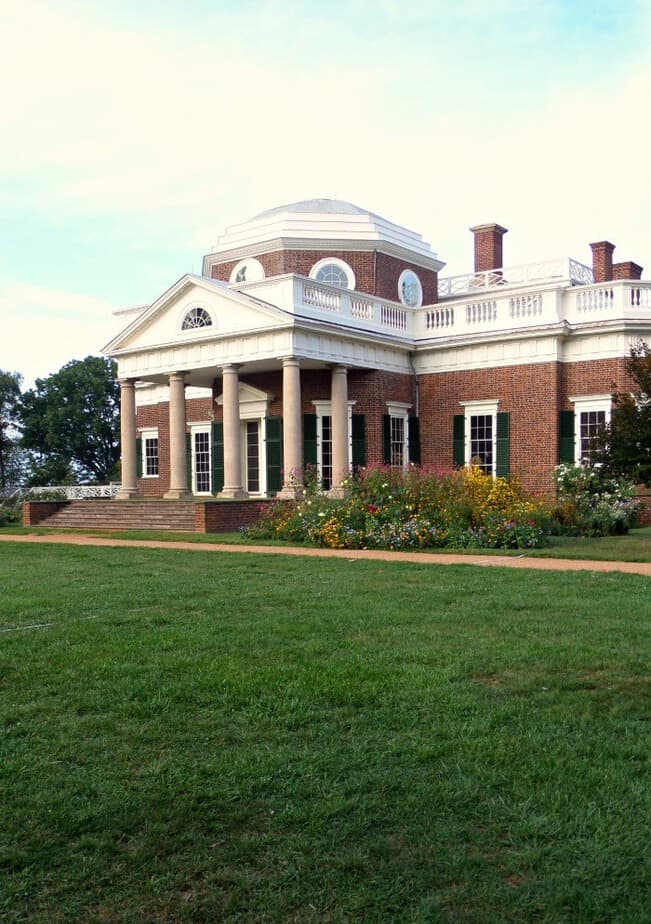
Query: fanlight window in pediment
x,y
196,317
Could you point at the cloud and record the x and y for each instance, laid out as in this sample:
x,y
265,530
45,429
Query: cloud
x,y
44,328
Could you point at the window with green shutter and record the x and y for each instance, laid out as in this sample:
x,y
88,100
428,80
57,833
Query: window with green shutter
x,y
358,428
274,444
566,437
414,440
458,441
217,456
502,446
309,440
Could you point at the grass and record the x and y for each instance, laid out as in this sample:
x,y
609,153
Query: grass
x,y
246,738
635,546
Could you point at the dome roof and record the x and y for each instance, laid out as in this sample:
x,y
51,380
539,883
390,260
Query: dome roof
x,y
316,206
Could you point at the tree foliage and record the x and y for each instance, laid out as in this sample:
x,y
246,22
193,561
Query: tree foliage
x,y
9,418
626,443
70,421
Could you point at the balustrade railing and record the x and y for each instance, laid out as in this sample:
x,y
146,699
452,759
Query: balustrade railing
x,y
545,271
78,491
481,312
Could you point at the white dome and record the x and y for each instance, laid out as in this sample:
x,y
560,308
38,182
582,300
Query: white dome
x,y
315,207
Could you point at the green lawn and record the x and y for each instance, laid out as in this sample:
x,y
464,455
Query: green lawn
x,y
635,546
200,738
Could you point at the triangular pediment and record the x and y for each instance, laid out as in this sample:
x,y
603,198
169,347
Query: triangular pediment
x,y
196,309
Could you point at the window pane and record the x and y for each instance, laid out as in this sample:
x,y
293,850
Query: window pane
x,y
202,463
591,423
326,453
252,457
151,456
397,441
481,441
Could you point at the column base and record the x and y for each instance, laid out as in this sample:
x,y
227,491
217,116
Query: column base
x,y
233,494
290,493
126,494
336,492
177,494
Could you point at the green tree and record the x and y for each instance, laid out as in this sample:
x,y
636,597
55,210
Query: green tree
x,y
625,446
10,468
70,421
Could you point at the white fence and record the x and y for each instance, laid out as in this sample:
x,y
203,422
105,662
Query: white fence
x,y
77,491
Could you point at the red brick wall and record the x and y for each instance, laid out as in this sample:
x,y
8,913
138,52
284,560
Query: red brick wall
x,y
35,512
593,377
530,394
227,516
157,415
375,273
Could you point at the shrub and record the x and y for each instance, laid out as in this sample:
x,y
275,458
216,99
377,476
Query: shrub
x,y
414,509
592,502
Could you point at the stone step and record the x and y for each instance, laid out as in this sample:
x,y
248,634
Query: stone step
x,y
108,514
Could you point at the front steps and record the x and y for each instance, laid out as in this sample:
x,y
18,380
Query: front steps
x,y
174,516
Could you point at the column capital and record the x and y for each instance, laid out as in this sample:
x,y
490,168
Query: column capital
x,y
290,360
231,368
176,376
127,383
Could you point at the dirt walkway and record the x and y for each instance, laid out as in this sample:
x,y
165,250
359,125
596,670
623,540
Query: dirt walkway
x,y
421,558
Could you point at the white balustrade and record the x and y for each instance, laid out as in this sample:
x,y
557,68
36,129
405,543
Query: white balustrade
x,y
525,306
361,308
545,271
481,312
393,317
321,297
437,318
79,491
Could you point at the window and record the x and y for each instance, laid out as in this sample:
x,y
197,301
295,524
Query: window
x,y
481,436
324,441
582,426
149,440
248,270
333,272
201,460
196,317
410,291
396,449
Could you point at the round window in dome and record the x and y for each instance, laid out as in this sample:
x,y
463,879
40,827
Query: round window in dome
x,y
249,270
333,272
410,291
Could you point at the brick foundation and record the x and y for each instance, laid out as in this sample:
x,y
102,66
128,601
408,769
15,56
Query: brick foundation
x,y
34,512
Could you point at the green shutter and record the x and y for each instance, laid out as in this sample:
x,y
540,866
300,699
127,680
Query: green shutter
x,y
217,450
458,441
309,439
566,436
139,457
188,460
502,461
359,440
274,442
386,439
414,440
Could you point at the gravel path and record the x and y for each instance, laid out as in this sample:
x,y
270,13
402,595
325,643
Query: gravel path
x,y
421,558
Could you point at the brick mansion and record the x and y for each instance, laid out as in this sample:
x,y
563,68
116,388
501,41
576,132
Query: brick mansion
x,y
321,334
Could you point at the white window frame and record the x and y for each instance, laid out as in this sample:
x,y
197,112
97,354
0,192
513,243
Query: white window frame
x,y
255,271
419,288
479,409
195,429
400,411
583,404
194,331
335,261
149,433
324,409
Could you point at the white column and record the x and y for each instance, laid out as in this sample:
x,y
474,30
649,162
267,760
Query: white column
x,y
292,429
129,462
178,458
232,439
340,465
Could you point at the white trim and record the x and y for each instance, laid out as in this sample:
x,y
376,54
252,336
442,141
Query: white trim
x,y
481,408
194,430
324,409
185,311
585,404
340,264
400,411
149,433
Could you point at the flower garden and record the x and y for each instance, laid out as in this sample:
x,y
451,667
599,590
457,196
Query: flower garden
x,y
422,508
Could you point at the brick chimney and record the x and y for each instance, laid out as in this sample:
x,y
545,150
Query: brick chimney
x,y
602,261
627,270
488,247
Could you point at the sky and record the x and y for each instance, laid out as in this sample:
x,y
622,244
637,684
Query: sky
x,y
135,131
